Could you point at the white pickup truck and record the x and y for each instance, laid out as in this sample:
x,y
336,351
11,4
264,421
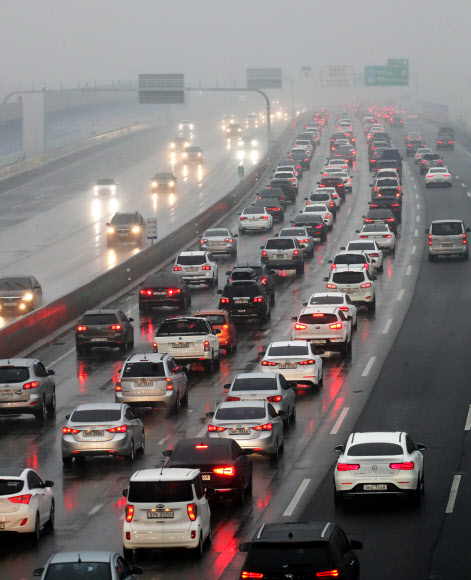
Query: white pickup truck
x,y
189,339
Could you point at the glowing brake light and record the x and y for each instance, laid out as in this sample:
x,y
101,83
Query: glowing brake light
x,y
228,240
348,466
242,218
25,498
406,465
215,428
203,241
115,327
225,300
120,429
129,512
464,239
268,363
366,285
245,574
32,385
332,286
264,253
311,361
274,399
343,308
328,574
224,470
298,326
233,399
82,328
68,430
336,325
177,268
173,291
192,511
266,427
146,292
206,346
258,299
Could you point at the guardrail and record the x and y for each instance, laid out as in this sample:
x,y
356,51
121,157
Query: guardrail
x,y
40,324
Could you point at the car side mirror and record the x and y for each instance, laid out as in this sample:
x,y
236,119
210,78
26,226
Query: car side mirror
x,y
342,247
339,449
228,273
137,570
421,447
67,417
261,353
468,229
363,216
108,224
356,545
375,278
39,571
427,231
357,231
261,247
325,279
125,492
219,291
50,372
274,271
131,319
282,414
294,319
244,547
176,370
305,303
167,453
210,414
371,185
227,386
236,235
48,483
330,262
217,331
318,182
306,198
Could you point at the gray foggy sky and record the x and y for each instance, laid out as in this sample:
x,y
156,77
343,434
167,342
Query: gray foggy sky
x,y
58,40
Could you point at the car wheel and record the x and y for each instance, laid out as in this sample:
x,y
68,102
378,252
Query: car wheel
x,y
189,300
142,448
241,231
184,402
131,342
52,404
249,488
234,254
52,516
122,348
177,405
41,413
372,306
300,270
465,257
80,349
416,495
209,537
338,499
240,500
36,535
211,283
293,414
320,382
217,362
67,461
209,366
199,548
276,455
131,455
128,554
381,268
344,351
144,308
272,298
431,258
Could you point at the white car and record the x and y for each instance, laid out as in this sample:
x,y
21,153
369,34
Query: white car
x,y
339,299
358,284
353,260
290,168
379,463
420,152
296,360
305,240
327,196
438,176
324,326
371,249
105,187
166,508
328,171
197,267
379,233
255,218
321,209
340,163
26,502
388,173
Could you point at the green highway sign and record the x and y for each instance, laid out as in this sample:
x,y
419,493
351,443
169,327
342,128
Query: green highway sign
x,y
390,75
398,62
240,171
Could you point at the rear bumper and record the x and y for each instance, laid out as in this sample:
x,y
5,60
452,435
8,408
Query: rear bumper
x,y
283,264
167,400
119,445
167,538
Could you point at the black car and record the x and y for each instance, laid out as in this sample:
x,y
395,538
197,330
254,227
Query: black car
x,y
346,152
270,192
254,271
389,164
274,207
413,145
314,225
301,550
396,122
336,182
388,202
381,216
245,299
164,289
299,156
289,188
335,136
374,157
104,328
126,227
430,160
224,466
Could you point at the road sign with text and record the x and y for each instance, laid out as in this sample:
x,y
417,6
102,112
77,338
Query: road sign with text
x,y
160,89
337,76
390,75
264,78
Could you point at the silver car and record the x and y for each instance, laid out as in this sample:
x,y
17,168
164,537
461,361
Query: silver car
x,y
255,425
88,564
26,387
19,294
219,241
305,240
270,387
102,429
152,380
447,238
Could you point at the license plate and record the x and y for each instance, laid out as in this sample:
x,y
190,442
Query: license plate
x,y
7,393
122,233
151,515
160,293
351,290
206,477
2,525
239,431
317,341
447,245
99,339
288,366
180,344
241,301
10,303
145,383
375,487
93,433
280,256
253,219
191,269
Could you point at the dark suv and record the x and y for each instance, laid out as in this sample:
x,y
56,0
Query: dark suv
x,y
104,328
126,227
245,299
301,550
273,207
271,192
289,188
254,271
164,289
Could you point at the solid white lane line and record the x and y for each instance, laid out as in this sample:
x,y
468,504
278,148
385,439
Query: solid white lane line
x,y
413,249
163,440
468,193
400,294
61,358
415,185
457,176
15,206
416,233
467,427
94,510
40,195
416,196
387,326
417,218
202,432
464,150
408,271
453,493
297,496
368,366
463,184
339,421
418,206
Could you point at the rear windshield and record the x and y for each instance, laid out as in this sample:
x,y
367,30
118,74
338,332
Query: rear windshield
x,y
371,449
92,319
96,415
318,318
438,170
315,208
240,413
160,491
319,197
255,384
279,244
185,326
241,290
105,181
290,232
216,233
288,350
198,453
79,570
144,369
8,486
361,246
348,277
252,210
14,374
350,259
15,284
191,260
326,300
376,228
213,318
447,229
387,181
300,556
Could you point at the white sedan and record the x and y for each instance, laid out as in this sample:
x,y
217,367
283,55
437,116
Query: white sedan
x,y
379,233
27,503
296,360
438,176
339,299
255,218
320,209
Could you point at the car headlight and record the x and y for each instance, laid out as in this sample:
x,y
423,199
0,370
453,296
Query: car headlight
x,y
240,143
96,188
22,306
199,154
111,230
172,145
113,188
28,296
154,184
185,155
254,143
171,183
135,229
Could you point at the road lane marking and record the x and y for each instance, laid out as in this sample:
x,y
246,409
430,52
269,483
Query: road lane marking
x,y
408,271
297,496
468,193
417,218
202,432
61,357
418,206
40,195
15,206
400,295
467,427
413,249
94,510
416,196
415,185
368,366
453,493
386,326
463,184
457,176
339,421
416,233
162,441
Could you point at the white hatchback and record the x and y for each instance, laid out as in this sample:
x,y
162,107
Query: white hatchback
x,y
296,360
358,284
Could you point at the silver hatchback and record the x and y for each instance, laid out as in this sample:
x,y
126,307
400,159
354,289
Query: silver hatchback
x,y
26,387
219,241
102,429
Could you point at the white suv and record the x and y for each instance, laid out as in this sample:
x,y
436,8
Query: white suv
x,y
358,284
324,326
166,508
197,267
371,249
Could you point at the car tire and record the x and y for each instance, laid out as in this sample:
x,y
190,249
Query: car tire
x,y
211,283
128,554
276,455
40,414
381,268
52,516
300,270
320,383
344,351
36,535
177,405
372,306
417,495
198,551
249,488
431,258
51,407
293,414
184,402
67,461
131,455
122,348
272,298
80,349
131,342
241,231
209,366
142,448
338,499
144,308
465,257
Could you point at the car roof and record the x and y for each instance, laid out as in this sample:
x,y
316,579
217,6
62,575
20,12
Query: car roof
x,y
295,531
447,221
82,556
17,362
193,253
13,471
165,474
94,406
375,436
146,357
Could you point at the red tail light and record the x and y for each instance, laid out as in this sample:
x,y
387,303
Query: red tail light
x,y
215,428
347,466
203,241
374,255
368,220
206,346
242,218
225,300
366,285
129,511
332,286
375,189
206,268
264,253
295,252
224,470
311,361
32,385
155,346
169,384
388,236
363,237
173,291
298,326
225,327
306,241
115,327
21,498
331,204
266,427
464,239
120,429
407,465
317,227
336,325
228,240
177,268
258,299
233,399
390,219
274,399
446,175
82,328
343,308
333,266
264,217
268,363
67,430
192,511
245,574
328,574
146,292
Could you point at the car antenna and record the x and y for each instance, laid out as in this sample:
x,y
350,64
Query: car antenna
x,y
80,559
290,536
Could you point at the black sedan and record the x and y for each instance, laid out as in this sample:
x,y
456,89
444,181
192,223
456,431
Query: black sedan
x,y
164,289
381,216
